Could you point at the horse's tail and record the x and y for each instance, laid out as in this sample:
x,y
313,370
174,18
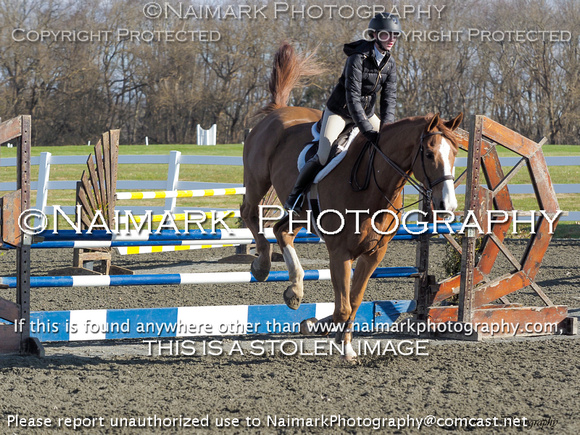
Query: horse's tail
x,y
289,71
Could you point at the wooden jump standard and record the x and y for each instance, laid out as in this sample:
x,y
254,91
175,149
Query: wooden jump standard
x,y
475,289
97,191
11,341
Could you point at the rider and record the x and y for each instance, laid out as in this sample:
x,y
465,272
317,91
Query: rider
x,y
369,68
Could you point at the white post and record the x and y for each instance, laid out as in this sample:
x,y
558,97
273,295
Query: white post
x,y
212,135
42,185
146,141
172,178
199,134
206,137
89,144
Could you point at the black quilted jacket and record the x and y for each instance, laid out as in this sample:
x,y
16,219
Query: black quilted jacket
x,y
362,79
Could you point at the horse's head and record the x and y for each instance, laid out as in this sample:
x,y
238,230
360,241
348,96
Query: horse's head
x,y
434,165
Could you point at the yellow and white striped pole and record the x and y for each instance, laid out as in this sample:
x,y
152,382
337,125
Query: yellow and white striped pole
x,y
181,193
130,250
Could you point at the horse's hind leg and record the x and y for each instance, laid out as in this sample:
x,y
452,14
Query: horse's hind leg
x,y
250,214
295,291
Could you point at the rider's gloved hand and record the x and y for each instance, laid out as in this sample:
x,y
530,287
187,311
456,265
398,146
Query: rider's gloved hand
x,y
371,136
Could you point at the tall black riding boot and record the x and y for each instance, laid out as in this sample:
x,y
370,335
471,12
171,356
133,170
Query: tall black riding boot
x,y
306,176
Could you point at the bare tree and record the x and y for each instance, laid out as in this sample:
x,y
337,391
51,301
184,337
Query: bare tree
x,y
163,89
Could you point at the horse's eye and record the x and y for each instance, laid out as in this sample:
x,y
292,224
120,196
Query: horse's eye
x,y
430,155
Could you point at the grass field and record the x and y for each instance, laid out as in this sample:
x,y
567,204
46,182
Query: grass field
x,y
221,150
234,174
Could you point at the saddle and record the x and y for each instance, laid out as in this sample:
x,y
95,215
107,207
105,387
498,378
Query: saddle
x,y
337,154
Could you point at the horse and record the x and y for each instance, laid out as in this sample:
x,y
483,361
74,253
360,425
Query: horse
x,y
424,146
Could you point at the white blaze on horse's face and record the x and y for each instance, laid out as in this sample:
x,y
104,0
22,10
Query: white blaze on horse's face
x,y
446,200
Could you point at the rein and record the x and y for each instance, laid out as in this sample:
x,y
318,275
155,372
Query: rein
x,y
425,191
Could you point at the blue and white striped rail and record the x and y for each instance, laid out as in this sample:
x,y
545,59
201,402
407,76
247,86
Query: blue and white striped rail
x,y
163,235
100,239
188,278
195,244
241,236
232,235
199,321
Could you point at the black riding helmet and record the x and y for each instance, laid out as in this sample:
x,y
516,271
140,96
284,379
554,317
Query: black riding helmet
x,y
385,22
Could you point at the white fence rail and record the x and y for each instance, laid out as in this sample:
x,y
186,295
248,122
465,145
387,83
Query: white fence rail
x,y
175,159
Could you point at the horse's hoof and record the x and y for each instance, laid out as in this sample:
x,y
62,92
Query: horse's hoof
x,y
291,299
350,359
307,327
259,274
349,355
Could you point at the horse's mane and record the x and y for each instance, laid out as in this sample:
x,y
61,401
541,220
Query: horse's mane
x,y
289,71
447,133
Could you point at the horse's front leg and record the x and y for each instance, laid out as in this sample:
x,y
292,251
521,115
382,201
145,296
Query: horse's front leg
x,y
295,291
365,266
340,270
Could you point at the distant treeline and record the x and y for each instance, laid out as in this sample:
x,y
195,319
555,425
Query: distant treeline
x,y
81,67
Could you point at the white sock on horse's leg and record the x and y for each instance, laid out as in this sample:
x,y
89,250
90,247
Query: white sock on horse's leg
x,y
295,270
295,292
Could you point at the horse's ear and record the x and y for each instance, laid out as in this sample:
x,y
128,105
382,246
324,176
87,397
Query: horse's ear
x,y
452,124
433,123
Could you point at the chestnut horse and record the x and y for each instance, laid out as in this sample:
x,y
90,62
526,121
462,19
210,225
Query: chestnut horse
x,y
422,145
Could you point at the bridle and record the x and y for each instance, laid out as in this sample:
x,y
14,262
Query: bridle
x,y
426,191
431,184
